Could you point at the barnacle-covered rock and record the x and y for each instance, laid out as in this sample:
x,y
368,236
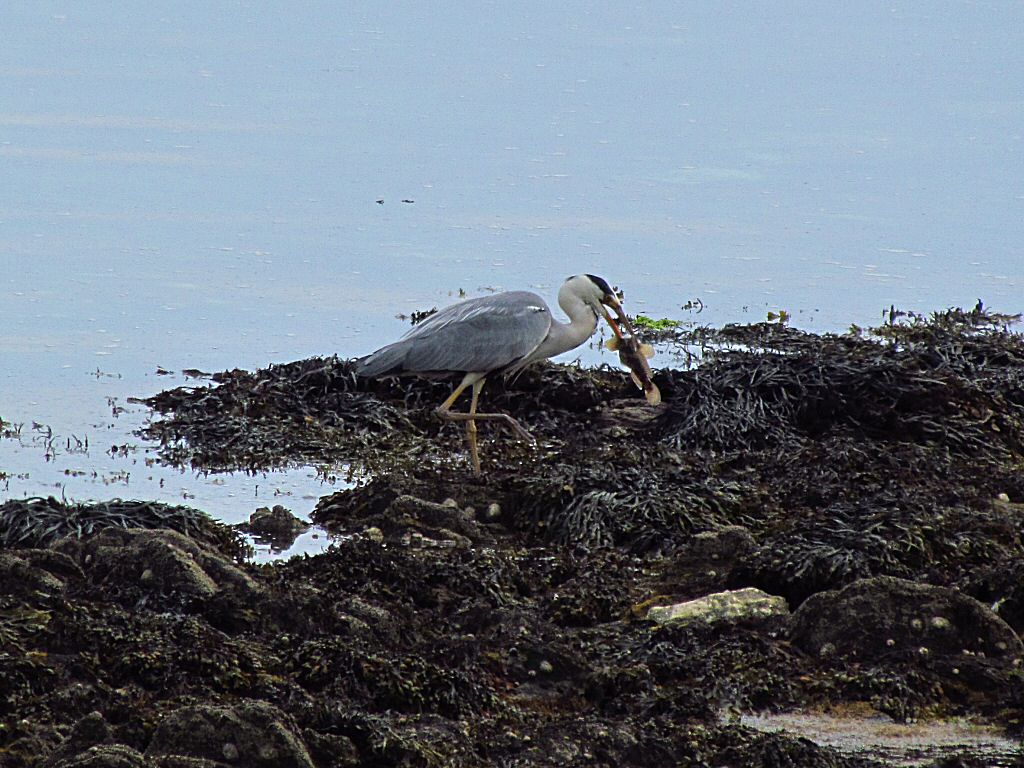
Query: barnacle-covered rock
x,y
884,616
108,756
161,563
397,514
19,577
708,561
92,730
720,547
251,733
435,518
1000,582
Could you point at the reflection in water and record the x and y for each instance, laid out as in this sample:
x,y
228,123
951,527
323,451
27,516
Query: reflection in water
x,y
312,542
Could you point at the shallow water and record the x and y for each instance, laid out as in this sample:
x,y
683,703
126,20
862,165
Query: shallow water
x,y
203,187
103,458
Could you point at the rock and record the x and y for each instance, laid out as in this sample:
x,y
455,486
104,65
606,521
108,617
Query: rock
x,y
252,733
372,614
90,731
441,537
733,605
444,521
619,418
331,749
707,562
723,545
57,563
20,578
277,525
106,756
159,561
883,615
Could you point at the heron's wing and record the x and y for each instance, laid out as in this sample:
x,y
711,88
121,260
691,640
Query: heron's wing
x,y
478,335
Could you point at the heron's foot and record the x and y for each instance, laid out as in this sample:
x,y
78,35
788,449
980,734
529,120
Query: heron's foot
x,y
519,430
503,418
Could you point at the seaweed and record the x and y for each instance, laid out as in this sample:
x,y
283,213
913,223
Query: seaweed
x,y
37,522
502,620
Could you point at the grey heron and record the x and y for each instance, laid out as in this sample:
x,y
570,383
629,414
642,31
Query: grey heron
x,y
501,333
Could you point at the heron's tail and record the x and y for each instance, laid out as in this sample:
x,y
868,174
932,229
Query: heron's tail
x,y
389,359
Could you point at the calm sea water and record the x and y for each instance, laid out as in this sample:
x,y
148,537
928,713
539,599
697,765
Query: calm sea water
x,y
187,185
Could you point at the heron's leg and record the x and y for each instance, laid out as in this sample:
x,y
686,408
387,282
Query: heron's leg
x,y
445,412
444,409
471,419
471,426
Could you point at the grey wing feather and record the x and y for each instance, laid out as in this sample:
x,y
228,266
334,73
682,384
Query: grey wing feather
x,y
478,335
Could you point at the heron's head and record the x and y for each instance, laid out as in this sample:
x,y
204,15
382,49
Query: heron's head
x,y
596,292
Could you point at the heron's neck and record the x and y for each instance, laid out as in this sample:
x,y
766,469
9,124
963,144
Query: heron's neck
x,y
581,326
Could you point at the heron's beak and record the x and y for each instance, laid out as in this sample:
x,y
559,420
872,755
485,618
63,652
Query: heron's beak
x,y
617,307
612,301
612,323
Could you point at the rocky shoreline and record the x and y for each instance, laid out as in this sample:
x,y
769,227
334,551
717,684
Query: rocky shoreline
x,y
808,522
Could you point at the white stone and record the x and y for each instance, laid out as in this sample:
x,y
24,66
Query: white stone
x,y
722,606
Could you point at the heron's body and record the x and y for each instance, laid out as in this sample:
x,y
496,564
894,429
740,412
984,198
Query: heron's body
x,y
506,331
501,333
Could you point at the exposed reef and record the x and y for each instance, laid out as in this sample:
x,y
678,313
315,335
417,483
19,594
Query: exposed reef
x,y
851,506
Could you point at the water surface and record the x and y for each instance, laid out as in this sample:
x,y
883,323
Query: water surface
x,y
196,186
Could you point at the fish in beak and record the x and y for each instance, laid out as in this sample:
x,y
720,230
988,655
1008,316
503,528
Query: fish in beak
x,y
632,353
